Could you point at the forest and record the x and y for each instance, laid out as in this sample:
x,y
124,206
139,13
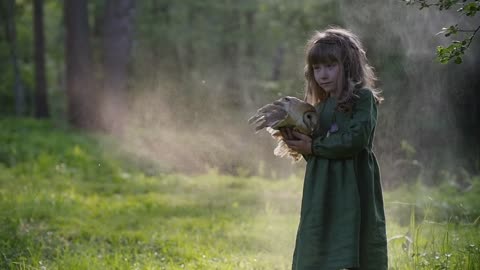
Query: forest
x,y
124,140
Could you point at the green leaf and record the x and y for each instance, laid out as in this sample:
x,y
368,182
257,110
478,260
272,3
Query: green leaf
x,y
471,9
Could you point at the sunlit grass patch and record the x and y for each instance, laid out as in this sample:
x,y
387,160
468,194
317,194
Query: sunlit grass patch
x,y
428,238
60,210
436,246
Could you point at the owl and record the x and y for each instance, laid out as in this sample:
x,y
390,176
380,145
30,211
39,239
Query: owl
x,y
285,112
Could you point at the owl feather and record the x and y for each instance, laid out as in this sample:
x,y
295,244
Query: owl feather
x,y
285,112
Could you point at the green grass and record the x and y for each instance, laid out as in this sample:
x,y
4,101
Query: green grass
x,y
68,201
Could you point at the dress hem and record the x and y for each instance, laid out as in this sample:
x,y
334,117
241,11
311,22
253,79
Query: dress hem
x,y
345,266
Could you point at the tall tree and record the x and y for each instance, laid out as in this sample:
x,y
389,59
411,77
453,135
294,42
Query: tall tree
x,y
11,33
249,13
80,92
41,104
159,11
117,34
229,52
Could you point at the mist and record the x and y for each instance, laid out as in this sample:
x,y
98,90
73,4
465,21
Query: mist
x,y
194,136
149,162
191,118
422,97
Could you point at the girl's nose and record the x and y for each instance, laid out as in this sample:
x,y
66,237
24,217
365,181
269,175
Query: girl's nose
x,y
323,73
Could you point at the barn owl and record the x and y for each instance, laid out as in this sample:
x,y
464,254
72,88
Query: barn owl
x,y
285,112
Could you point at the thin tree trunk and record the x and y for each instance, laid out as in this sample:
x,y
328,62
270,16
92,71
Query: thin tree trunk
x,y
250,50
189,47
278,60
118,35
80,92
250,53
229,52
18,89
41,104
161,11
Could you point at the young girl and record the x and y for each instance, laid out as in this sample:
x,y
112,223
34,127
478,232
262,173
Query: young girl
x,y
342,221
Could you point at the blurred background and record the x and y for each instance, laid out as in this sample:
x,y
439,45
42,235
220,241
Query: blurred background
x,y
124,141
176,81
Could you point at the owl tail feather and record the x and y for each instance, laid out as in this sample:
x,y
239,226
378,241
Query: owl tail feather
x,y
282,149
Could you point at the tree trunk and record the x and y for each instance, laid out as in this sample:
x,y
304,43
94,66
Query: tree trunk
x,y
161,12
251,41
229,52
189,47
41,104
80,92
18,89
118,34
278,60
250,55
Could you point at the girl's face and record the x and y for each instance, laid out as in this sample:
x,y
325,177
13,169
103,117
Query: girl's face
x,y
326,76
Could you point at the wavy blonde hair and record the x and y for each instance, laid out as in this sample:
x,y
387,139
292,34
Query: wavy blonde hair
x,y
342,46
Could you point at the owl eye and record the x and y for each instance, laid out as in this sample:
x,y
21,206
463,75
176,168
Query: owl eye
x,y
286,99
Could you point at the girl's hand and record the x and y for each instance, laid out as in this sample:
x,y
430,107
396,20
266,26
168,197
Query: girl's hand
x,y
298,142
287,133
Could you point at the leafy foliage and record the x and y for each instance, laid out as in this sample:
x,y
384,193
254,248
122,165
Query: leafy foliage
x,y
454,51
457,48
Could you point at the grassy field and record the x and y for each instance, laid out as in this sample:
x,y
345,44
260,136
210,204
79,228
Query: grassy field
x,y
68,201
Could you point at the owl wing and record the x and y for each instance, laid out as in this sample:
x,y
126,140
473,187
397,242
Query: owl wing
x,y
279,114
270,115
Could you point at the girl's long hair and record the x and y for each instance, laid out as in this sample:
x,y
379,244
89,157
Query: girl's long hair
x,y
339,45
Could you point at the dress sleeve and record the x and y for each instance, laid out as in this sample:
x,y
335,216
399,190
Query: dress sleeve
x,y
355,136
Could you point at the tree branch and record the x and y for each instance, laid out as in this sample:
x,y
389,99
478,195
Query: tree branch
x,y
472,36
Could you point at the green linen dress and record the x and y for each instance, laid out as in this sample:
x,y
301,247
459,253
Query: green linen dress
x,y
342,220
